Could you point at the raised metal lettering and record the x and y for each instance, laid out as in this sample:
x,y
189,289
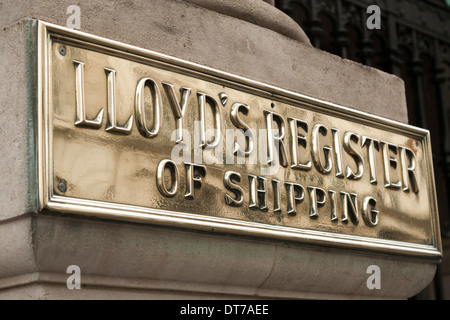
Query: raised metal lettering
x,y
295,194
408,170
271,138
349,207
228,178
174,175
337,153
369,213
194,172
372,145
257,191
111,124
348,138
178,109
276,196
80,117
296,140
317,197
388,163
318,128
204,99
333,205
141,121
237,121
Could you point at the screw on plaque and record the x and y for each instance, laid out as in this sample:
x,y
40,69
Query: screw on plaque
x,y
62,187
62,50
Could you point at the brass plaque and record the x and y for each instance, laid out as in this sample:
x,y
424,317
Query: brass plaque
x,y
129,134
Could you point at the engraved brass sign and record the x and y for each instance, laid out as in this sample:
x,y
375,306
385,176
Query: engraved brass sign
x,y
126,133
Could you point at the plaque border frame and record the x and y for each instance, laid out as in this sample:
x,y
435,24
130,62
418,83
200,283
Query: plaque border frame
x,y
47,200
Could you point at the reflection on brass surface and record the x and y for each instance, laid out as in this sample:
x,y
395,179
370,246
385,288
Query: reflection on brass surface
x,y
143,137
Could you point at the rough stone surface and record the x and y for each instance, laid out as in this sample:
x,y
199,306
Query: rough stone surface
x,y
259,13
16,121
206,37
125,261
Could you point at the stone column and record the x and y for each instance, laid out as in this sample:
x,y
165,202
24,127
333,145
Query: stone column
x,y
126,260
